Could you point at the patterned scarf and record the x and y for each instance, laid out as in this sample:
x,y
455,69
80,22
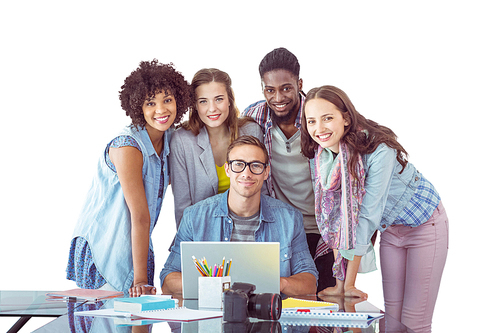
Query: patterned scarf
x,y
338,197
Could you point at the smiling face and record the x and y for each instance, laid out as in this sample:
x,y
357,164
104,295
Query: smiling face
x,y
212,103
325,123
159,112
281,90
246,184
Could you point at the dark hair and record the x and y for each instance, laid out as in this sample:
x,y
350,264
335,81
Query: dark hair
x,y
247,140
279,58
361,135
149,79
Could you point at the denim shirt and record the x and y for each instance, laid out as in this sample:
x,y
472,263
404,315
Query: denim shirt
x,y
388,193
105,219
209,220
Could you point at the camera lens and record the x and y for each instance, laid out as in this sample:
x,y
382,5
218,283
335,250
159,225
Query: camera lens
x,y
265,306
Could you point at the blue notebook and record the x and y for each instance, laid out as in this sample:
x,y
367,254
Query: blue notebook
x,y
143,303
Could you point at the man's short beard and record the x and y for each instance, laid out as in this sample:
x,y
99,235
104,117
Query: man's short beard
x,y
278,120
282,119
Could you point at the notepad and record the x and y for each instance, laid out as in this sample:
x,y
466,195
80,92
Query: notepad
x,y
77,295
296,303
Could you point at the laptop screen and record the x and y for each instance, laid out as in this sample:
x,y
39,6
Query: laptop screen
x,y
251,262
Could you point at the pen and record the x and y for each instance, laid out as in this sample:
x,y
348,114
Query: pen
x,y
314,311
74,299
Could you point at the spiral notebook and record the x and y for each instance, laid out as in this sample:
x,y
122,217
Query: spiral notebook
x,y
329,315
326,323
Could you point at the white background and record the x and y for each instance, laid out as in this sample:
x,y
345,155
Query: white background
x,y
429,70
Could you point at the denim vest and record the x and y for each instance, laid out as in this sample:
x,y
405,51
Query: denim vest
x,y
105,219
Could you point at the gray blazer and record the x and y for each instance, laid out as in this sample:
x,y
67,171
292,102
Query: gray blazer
x,y
192,166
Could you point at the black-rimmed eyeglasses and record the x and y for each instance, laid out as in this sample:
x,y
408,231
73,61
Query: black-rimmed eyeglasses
x,y
238,166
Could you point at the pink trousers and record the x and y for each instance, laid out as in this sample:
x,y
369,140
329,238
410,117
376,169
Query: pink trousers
x,y
412,260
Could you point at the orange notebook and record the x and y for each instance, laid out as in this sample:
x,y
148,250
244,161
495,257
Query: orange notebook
x,y
81,295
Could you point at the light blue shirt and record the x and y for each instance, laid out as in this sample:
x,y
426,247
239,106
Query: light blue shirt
x,y
392,198
105,219
209,220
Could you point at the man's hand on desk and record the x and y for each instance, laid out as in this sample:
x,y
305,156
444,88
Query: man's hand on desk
x,y
298,284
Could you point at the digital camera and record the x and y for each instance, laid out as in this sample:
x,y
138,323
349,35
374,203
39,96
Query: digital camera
x,y
240,303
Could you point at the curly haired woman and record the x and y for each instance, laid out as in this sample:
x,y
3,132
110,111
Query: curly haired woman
x,y
111,247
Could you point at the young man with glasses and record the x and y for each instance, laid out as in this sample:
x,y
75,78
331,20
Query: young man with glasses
x,y
243,214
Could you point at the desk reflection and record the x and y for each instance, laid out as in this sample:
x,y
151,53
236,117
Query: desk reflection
x,y
72,323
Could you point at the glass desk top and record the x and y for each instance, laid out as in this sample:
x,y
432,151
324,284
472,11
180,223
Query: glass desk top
x,y
18,303
33,303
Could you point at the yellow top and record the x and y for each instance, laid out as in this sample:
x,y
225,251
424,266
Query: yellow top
x,y
223,179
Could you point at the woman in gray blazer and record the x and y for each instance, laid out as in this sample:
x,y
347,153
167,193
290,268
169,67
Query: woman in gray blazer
x,y
198,148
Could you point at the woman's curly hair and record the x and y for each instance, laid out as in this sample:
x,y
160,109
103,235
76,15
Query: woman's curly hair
x,y
149,79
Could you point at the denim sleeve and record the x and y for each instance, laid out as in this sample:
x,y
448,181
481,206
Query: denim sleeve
x,y
302,261
173,263
379,171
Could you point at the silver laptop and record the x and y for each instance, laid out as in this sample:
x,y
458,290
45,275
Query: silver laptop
x,y
257,263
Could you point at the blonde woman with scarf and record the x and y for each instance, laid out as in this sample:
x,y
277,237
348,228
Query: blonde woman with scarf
x,y
364,183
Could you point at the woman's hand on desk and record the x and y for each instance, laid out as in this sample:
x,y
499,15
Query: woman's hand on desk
x,y
345,303
142,289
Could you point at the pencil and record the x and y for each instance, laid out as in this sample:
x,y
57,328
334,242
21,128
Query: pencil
x,y
229,268
199,266
222,271
200,271
206,265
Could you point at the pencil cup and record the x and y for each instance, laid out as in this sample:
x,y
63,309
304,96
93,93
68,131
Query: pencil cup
x,y
211,291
